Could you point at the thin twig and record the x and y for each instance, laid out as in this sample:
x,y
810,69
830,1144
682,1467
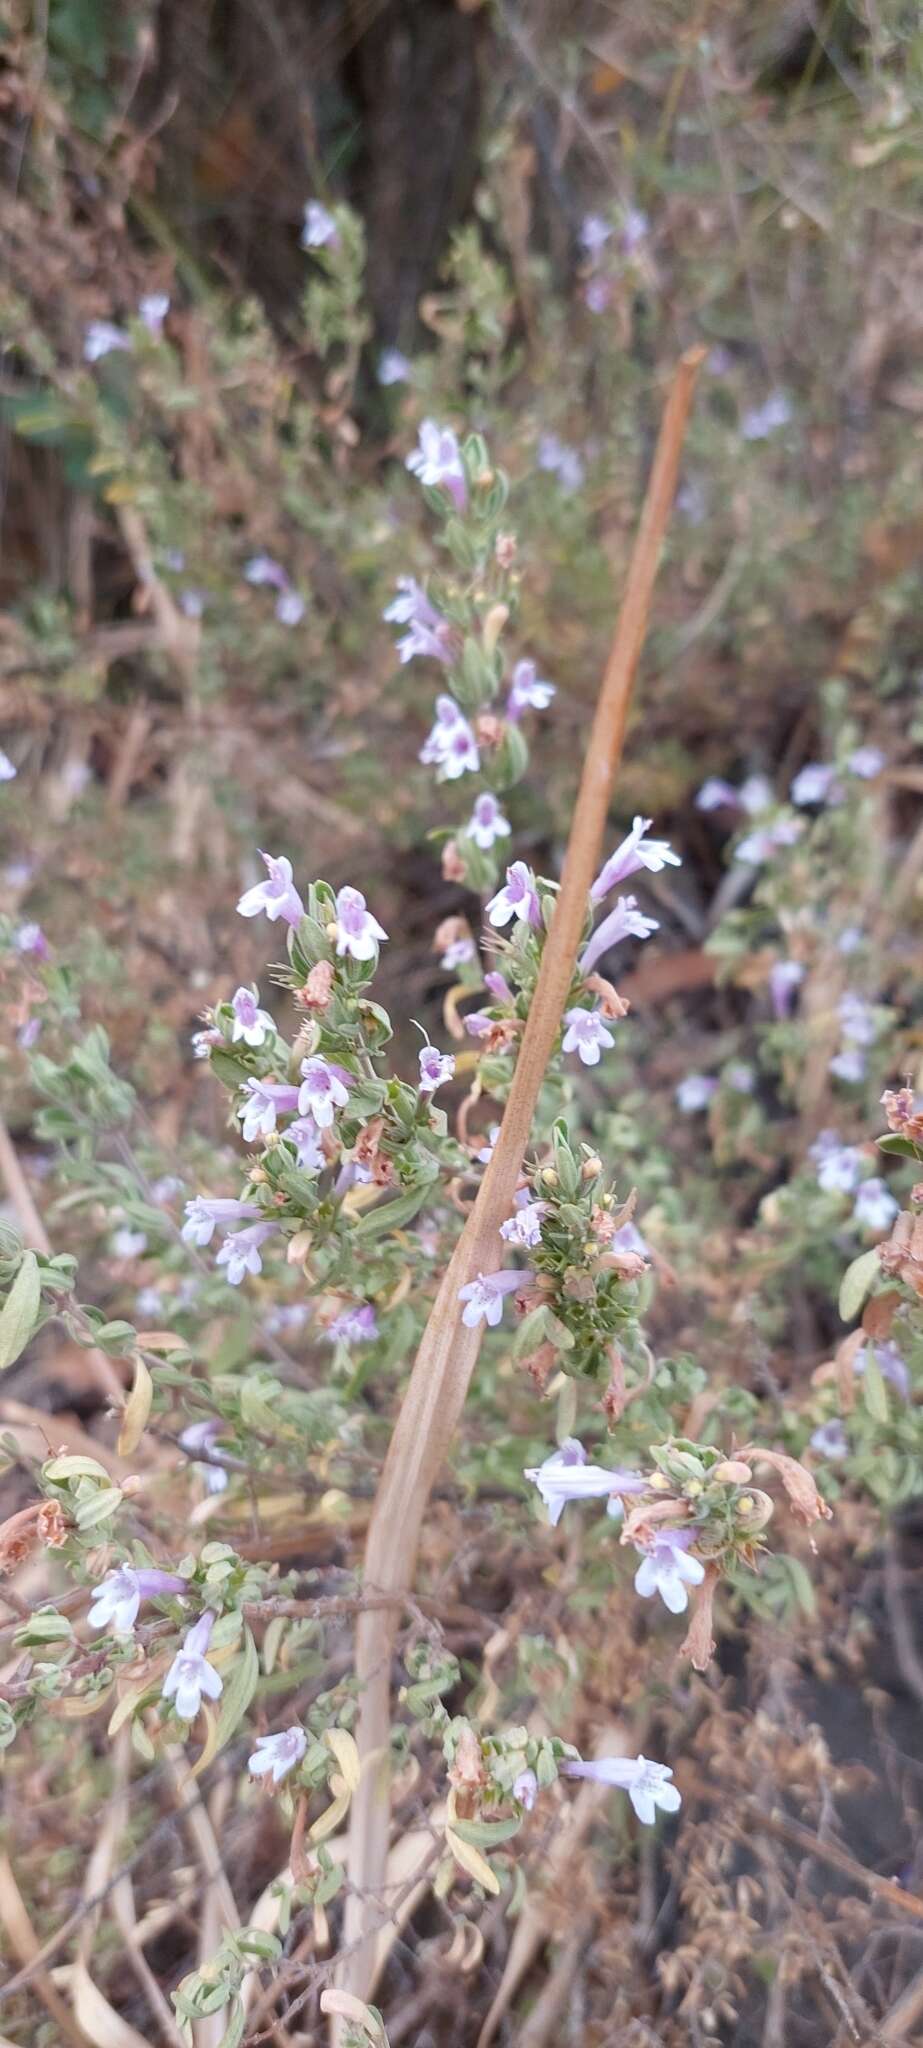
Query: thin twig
x,y
448,1351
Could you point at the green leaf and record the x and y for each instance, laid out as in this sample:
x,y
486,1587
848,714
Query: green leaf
x,y
874,1391
238,1692
20,1311
229,1069
857,1282
98,1507
904,1148
391,1215
234,2031
486,1834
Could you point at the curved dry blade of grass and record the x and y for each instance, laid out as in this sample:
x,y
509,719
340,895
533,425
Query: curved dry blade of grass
x,y
448,1351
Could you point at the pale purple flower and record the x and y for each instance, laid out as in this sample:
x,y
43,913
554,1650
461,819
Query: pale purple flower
x,y
393,367
716,794
667,1569
838,1166
8,770
320,230
890,1365
264,1101
458,954
103,338
566,1475
759,846
857,1017
487,822
595,232
190,1675
483,1297
562,461
358,932
866,762
525,1789
850,939
524,1227
201,1436
648,1784
429,633
628,1238
849,1065
785,976
626,921
756,795
437,461
695,1092
498,986
357,1325
290,608
517,899
251,1023
29,1033
30,938
436,1068
875,1207
762,420
740,1076
192,603
149,1302
277,896
129,1244
263,569
636,851
635,226
203,1213
307,1141
586,1034
830,1441
478,1023
324,1090
276,1755
528,691
202,1043
117,1598
450,745
692,505
289,1315
486,1152
816,783
597,294
152,312
352,1174
242,1254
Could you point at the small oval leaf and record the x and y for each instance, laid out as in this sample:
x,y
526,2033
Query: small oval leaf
x,y
20,1311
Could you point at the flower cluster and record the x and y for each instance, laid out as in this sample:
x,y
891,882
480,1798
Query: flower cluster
x,y
459,622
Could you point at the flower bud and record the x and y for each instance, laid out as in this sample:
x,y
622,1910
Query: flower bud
x,y
493,625
753,1510
591,1167
731,1472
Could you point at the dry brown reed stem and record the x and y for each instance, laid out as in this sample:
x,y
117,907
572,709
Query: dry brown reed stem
x,y
448,1351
